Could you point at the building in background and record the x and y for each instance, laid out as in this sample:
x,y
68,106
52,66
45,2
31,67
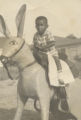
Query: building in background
x,y
71,44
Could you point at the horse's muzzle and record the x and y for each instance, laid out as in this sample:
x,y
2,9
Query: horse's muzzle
x,y
4,59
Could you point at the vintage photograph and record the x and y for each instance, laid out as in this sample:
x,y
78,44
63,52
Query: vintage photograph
x,y
40,60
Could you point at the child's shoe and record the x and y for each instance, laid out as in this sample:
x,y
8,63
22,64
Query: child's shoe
x,y
64,107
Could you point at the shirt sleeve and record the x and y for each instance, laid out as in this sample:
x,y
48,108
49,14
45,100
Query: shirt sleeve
x,y
50,37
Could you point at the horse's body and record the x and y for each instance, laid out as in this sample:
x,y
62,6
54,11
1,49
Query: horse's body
x,y
33,82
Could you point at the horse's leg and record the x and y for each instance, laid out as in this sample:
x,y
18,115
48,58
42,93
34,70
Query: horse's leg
x,y
45,104
21,100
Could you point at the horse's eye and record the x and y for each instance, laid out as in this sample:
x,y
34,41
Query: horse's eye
x,y
12,42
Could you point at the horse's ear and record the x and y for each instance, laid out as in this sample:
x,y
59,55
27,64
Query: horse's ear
x,y
3,27
20,18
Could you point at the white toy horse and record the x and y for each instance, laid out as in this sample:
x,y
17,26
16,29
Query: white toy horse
x,y
33,81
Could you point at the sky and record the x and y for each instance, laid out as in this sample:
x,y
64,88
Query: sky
x,y
64,16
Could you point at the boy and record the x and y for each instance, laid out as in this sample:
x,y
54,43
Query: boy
x,y
44,42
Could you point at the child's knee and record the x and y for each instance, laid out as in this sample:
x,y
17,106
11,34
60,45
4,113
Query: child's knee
x,y
63,93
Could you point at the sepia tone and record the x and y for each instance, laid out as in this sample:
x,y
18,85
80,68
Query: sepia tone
x,y
65,23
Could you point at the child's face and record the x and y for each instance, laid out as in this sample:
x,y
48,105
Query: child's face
x,y
41,26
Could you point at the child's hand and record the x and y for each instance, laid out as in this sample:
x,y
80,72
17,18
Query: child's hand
x,y
61,81
60,76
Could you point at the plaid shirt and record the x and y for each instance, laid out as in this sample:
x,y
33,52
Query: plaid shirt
x,y
41,41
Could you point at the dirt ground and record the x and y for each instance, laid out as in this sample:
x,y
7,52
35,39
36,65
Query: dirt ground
x,y
8,102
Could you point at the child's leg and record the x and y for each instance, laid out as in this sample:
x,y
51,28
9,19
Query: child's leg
x,y
63,99
59,68
57,61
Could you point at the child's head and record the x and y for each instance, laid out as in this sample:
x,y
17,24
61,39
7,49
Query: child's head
x,y
41,24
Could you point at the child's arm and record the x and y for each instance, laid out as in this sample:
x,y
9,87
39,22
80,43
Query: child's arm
x,y
50,42
48,45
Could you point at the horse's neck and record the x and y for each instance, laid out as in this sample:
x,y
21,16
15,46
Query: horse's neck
x,y
24,57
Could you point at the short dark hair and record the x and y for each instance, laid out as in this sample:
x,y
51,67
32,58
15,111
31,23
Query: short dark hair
x,y
41,18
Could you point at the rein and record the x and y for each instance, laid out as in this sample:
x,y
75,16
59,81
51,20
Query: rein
x,y
32,63
9,75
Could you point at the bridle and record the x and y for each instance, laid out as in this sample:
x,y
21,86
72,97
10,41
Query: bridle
x,y
20,69
18,49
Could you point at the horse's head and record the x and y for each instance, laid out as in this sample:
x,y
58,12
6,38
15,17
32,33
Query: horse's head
x,y
13,44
